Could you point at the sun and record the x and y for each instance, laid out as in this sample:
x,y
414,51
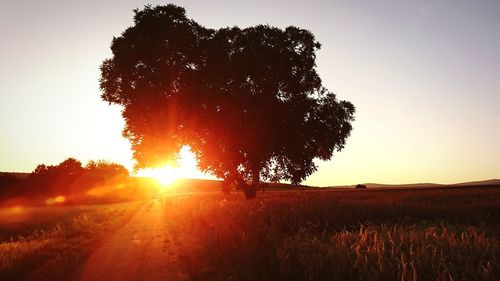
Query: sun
x,y
167,175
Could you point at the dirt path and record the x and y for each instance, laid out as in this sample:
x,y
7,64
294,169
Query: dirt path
x,y
141,250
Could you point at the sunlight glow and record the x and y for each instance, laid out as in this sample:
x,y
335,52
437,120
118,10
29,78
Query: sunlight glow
x,y
168,174
55,200
16,210
165,175
13,214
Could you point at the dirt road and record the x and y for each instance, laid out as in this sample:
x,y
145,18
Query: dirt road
x,y
141,250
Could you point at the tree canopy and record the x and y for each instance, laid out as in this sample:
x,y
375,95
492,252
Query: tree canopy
x,y
249,102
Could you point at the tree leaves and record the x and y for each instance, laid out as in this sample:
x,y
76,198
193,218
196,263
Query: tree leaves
x,y
248,101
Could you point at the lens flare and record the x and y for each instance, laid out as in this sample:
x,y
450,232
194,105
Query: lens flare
x,y
167,175
55,200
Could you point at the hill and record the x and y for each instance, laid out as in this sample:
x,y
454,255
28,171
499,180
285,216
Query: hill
x,y
483,183
18,175
411,185
204,185
479,183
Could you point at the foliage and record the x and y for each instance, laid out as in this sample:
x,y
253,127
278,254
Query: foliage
x,y
105,170
249,102
67,168
68,177
71,173
73,168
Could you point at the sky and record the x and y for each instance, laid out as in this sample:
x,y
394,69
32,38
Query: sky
x,y
423,75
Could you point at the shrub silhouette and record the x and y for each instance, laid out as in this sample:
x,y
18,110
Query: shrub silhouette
x,y
68,177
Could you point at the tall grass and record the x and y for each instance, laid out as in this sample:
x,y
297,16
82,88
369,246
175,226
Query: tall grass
x,y
16,251
449,234
339,235
53,253
397,252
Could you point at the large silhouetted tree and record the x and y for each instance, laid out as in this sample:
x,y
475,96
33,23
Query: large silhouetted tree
x,y
248,102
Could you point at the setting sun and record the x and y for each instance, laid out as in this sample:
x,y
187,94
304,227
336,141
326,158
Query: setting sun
x,y
165,175
168,174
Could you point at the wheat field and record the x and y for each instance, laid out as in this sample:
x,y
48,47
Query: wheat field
x,y
440,234
340,235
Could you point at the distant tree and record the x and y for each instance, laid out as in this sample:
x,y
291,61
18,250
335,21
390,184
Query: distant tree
x,y
67,168
248,102
105,170
40,169
70,167
360,186
55,179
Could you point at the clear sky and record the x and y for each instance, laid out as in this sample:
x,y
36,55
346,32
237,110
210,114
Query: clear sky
x,y
424,76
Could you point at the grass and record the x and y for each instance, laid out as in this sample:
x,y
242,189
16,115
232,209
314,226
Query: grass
x,y
449,234
428,234
398,252
52,250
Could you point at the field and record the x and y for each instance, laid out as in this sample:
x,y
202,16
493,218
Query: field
x,y
49,243
427,234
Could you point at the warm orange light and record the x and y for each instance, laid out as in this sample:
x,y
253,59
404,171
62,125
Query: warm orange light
x,y
165,175
168,174
55,200
16,210
16,213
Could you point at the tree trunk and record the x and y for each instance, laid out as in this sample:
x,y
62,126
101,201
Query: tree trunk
x,y
250,190
226,186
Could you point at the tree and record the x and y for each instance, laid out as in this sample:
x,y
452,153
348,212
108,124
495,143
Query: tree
x,y
70,168
248,102
105,170
41,169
